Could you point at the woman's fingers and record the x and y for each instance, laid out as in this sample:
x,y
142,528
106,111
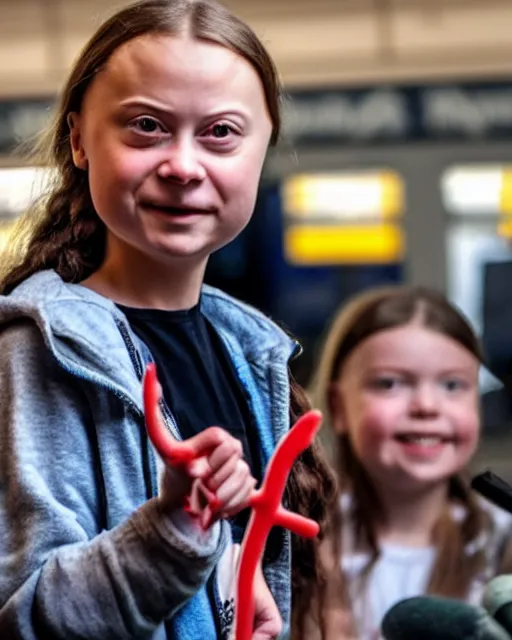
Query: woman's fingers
x,y
206,442
220,467
230,447
222,474
234,494
199,468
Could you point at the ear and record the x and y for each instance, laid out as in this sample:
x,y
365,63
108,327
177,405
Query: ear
x,y
75,139
337,408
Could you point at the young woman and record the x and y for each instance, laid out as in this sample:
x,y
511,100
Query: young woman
x,y
158,146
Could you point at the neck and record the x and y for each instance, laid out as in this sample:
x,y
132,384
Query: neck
x,y
410,518
134,280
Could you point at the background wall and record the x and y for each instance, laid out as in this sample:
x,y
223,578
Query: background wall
x,y
313,41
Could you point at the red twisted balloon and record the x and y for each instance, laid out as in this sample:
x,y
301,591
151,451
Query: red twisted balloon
x,y
267,510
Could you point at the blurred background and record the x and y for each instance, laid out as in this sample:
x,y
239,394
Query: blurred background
x,y
395,163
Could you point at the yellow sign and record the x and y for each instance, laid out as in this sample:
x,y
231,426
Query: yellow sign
x,y
331,245
358,196
506,193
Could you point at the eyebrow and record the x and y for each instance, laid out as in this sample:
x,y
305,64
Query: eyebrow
x,y
383,369
166,110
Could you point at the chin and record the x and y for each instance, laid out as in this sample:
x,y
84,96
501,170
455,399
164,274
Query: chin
x,y
407,478
181,251
432,478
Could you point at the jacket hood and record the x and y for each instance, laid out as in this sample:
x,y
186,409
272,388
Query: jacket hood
x,y
81,327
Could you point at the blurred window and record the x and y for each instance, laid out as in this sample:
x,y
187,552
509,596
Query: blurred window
x,y
478,190
478,202
344,217
19,187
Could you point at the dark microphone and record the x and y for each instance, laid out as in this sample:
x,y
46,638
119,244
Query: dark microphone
x,y
436,618
498,600
494,488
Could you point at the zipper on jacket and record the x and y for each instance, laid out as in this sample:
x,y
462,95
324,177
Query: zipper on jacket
x,y
167,416
132,350
170,421
135,357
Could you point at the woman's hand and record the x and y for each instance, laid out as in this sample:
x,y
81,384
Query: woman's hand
x,y
228,476
267,619
221,471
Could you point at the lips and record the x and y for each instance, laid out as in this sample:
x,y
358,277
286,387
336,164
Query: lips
x,y
180,210
424,439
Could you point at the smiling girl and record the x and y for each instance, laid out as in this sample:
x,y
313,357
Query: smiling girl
x,y
158,146
398,381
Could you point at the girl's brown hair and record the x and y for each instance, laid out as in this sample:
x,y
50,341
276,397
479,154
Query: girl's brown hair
x,y
64,233
361,318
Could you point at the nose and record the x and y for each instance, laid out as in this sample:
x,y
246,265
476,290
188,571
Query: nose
x,y
182,164
424,401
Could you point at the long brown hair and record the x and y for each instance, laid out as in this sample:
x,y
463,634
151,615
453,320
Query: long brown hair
x,y
312,492
363,316
64,233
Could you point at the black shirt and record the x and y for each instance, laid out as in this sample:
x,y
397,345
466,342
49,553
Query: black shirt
x,y
198,378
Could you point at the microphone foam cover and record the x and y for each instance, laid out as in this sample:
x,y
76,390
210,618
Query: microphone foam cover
x,y
436,618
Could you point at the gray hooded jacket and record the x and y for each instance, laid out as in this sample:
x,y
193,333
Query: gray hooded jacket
x,y
85,551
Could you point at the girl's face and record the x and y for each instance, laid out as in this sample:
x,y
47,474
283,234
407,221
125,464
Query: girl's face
x,y
408,399
173,134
